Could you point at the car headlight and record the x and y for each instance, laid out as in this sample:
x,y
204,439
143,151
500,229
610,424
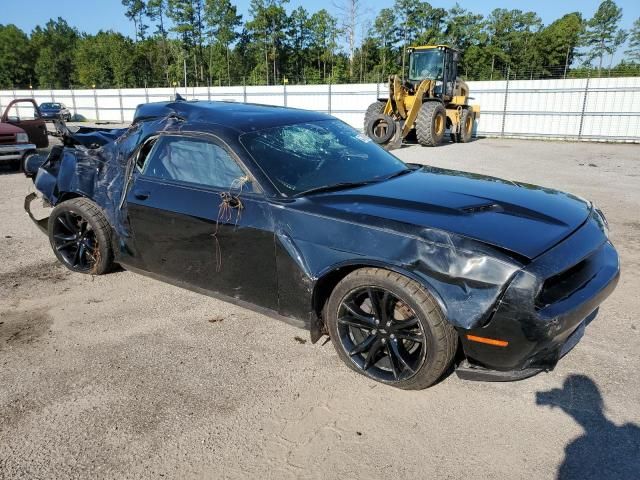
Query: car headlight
x,y
22,138
602,220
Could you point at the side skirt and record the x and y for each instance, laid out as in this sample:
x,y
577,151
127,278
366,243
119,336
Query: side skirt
x,y
295,322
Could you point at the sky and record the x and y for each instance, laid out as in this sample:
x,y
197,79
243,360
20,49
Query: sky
x,y
93,15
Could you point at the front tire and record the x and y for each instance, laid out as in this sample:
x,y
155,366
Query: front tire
x,y
431,123
389,328
80,237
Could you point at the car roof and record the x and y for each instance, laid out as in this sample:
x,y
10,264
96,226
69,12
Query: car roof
x,y
242,117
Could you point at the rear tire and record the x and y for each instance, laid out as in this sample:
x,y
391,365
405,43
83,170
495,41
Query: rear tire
x,y
411,345
431,124
373,110
466,127
80,237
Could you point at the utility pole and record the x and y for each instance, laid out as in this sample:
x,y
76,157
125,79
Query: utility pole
x,y
185,75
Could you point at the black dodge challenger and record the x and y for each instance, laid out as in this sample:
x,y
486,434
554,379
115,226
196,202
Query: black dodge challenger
x,y
410,270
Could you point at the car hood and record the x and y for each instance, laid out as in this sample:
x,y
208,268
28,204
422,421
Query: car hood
x,y
524,219
8,129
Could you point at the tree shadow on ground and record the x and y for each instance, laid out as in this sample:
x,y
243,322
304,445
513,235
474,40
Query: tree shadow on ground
x,y
605,450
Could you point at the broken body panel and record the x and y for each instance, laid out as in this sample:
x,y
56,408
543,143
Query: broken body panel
x,y
488,250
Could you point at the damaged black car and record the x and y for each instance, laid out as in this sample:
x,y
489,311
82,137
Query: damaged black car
x,y
410,270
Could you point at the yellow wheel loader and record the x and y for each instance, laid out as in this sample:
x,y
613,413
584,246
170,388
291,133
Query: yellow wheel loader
x,y
432,100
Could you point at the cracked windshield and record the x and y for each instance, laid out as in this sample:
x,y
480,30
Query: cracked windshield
x,y
309,156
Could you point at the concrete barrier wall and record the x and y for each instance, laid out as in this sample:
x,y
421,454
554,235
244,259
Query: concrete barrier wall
x,y
599,109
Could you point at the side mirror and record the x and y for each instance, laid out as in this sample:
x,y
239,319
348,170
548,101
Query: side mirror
x,y
13,119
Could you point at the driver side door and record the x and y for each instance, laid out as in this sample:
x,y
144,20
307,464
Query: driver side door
x,y
198,219
25,114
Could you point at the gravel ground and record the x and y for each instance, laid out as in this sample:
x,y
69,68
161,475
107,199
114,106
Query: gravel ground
x,y
121,376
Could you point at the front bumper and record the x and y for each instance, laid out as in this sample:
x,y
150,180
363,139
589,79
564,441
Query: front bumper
x,y
581,272
9,153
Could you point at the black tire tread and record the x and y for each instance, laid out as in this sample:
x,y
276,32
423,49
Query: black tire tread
x,y
462,136
424,123
445,335
91,211
374,109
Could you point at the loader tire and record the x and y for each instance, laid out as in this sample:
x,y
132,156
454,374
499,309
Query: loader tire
x,y
466,127
431,124
381,128
373,110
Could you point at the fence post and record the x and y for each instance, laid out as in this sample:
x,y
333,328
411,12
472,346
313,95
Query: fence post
x,y
73,102
506,98
95,103
584,105
209,91
121,109
284,86
329,98
15,96
244,89
146,92
53,97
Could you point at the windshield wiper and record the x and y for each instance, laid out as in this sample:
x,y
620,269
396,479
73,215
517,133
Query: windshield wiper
x,y
334,186
344,185
397,174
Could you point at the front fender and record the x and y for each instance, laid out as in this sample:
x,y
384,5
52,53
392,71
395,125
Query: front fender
x,y
464,277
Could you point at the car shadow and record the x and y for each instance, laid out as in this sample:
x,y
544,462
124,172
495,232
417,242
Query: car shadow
x,y
604,450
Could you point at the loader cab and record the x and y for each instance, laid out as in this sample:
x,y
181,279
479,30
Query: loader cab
x,y
438,63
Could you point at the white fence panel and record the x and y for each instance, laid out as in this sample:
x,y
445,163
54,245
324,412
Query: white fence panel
x,y
602,109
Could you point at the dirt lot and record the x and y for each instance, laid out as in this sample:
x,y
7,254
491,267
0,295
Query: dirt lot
x,y
121,376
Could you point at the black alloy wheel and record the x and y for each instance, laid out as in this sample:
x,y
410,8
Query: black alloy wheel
x,y
80,236
390,328
381,334
75,241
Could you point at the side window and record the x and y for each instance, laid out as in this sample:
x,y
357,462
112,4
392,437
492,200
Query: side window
x,y
193,160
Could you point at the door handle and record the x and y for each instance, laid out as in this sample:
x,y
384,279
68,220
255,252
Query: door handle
x,y
141,195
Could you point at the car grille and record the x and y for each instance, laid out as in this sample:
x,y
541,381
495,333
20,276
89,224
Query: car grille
x,y
7,139
566,283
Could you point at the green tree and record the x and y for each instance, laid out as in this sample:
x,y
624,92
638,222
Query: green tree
x,y
510,35
54,45
324,31
106,59
383,34
156,11
135,12
187,17
603,36
300,36
16,58
268,27
222,21
461,27
633,52
558,43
